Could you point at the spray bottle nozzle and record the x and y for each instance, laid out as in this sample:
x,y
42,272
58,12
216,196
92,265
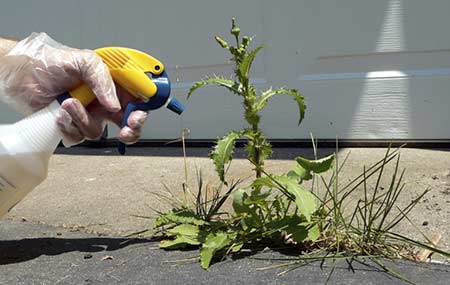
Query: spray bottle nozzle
x,y
174,105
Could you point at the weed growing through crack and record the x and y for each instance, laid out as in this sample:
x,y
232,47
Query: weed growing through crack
x,y
267,209
278,209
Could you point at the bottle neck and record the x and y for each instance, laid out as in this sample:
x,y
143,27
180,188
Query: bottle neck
x,y
39,131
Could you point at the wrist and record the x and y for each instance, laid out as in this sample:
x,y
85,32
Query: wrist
x,y
6,45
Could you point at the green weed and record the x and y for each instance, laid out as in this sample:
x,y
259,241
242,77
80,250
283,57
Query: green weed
x,y
279,210
253,101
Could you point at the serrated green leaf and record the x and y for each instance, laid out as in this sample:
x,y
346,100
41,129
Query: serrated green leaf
x,y
184,230
218,81
222,153
178,242
316,166
173,244
178,216
246,64
214,242
266,95
300,173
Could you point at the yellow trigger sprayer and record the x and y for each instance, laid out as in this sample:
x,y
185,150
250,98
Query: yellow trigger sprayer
x,y
142,75
26,146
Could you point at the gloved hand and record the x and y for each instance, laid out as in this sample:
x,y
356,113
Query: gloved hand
x,y
38,69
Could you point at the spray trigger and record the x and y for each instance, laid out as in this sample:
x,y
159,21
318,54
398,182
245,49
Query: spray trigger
x,y
160,99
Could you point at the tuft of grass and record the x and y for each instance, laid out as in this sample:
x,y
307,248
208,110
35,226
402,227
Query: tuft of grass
x,y
367,228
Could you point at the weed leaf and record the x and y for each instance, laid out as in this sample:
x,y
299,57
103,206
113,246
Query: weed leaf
x,y
249,213
266,95
213,243
246,64
222,153
316,166
184,230
265,181
239,197
218,81
178,242
178,216
236,247
257,197
300,173
299,230
304,199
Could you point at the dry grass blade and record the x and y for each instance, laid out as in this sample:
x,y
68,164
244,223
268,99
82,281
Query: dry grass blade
x,y
425,253
417,243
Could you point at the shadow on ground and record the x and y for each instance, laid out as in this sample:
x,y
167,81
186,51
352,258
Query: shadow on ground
x,y
16,251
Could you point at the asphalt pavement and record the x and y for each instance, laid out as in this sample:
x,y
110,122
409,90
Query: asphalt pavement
x,y
33,253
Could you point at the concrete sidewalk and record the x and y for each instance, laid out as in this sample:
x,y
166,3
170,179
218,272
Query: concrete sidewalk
x,y
39,254
97,191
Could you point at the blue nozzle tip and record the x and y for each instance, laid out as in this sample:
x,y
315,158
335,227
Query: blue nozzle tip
x,y
175,106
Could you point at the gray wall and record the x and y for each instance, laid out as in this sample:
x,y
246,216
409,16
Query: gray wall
x,y
369,69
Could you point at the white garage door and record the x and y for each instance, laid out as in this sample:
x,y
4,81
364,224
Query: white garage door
x,y
369,69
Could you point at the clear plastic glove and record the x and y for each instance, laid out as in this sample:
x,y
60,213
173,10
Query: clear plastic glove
x,y
6,45
38,69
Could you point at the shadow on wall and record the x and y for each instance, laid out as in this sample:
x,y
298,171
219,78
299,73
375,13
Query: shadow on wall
x,y
383,109
394,92
370,96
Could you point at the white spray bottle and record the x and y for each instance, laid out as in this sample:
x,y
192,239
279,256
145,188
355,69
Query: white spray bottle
x,y
26,146
25,150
